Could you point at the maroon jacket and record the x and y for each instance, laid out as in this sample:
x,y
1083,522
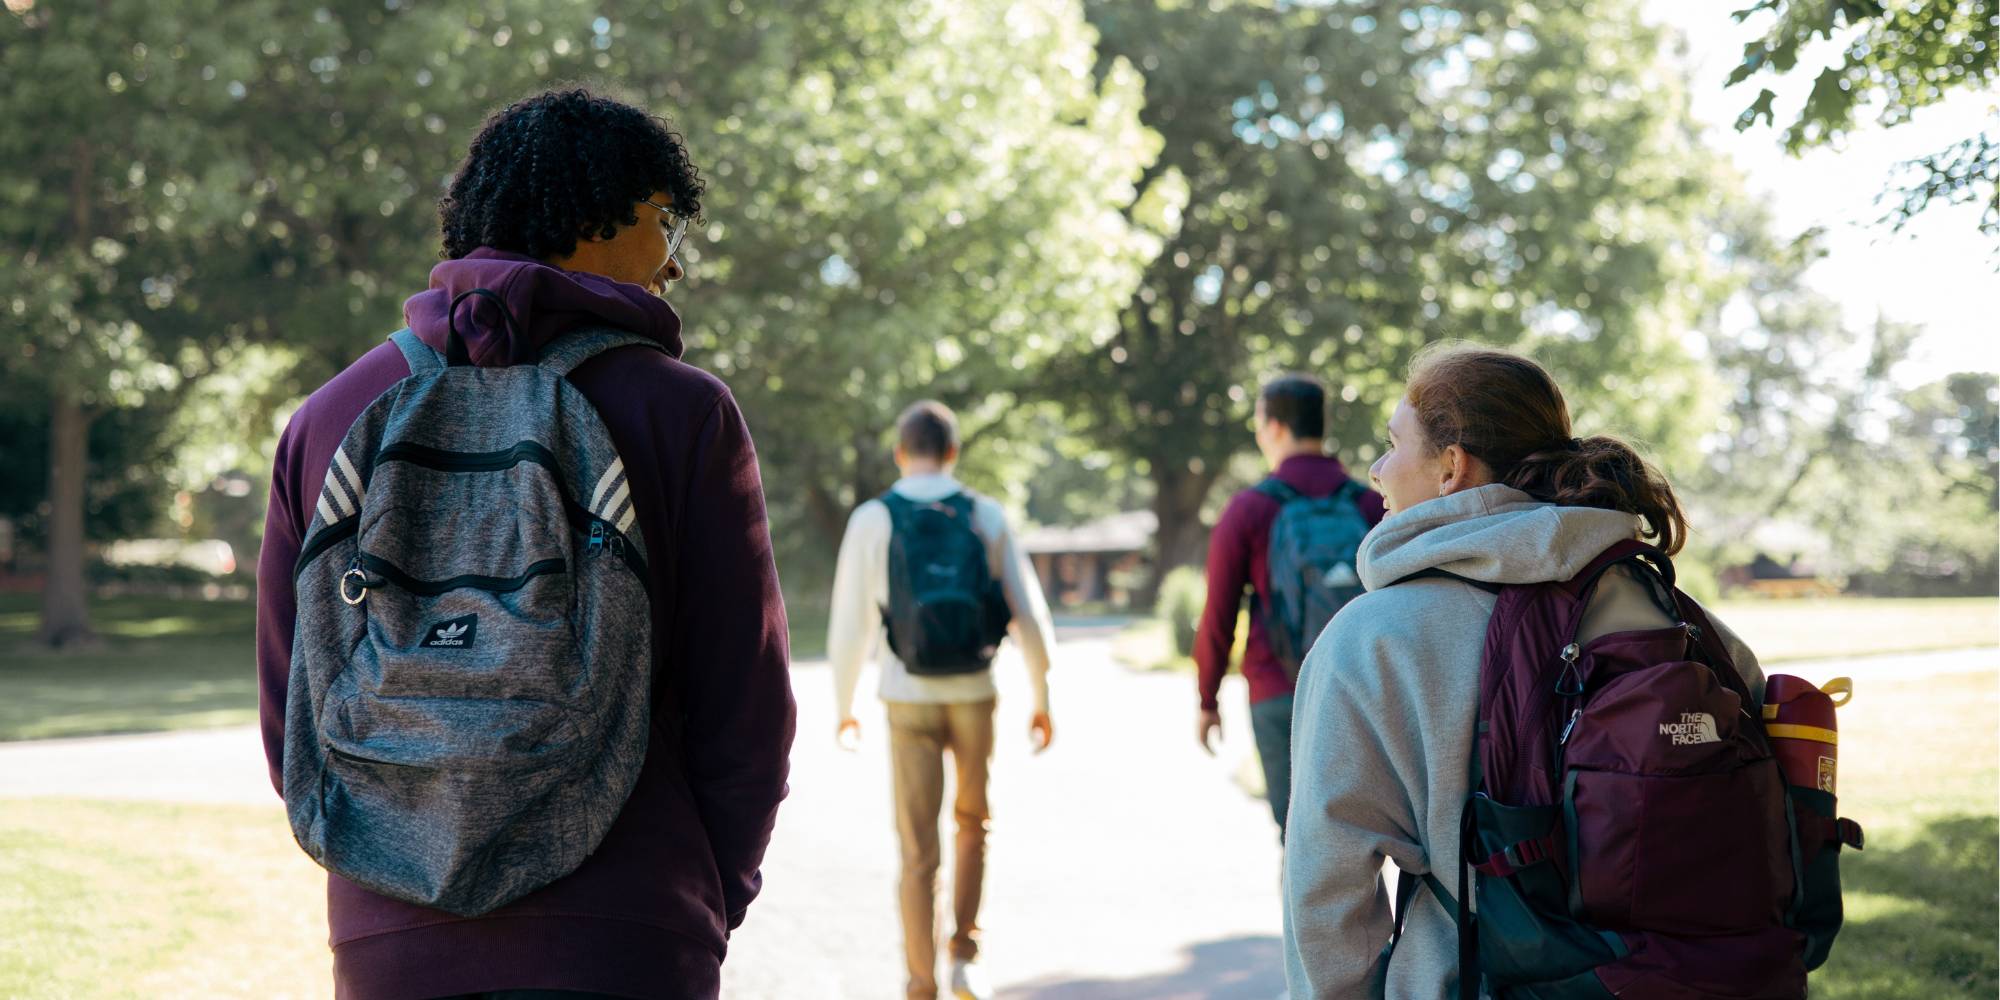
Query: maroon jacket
x,y
1238,551
648,914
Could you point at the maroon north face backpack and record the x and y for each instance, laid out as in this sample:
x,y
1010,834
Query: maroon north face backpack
x,y
1630,833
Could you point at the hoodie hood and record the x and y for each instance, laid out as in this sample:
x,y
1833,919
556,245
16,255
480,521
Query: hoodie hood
x,y
1494,534
546,302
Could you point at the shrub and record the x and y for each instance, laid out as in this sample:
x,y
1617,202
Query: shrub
x,y
1182,593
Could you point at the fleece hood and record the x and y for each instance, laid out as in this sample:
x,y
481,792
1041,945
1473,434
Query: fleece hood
x,y
545,302
1494,534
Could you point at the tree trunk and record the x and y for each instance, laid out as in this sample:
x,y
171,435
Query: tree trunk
x,y
65,604
1182,540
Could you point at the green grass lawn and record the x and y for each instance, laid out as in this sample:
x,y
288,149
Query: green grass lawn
x,y
145,900
163,664
1777,630
1860,626
1920,763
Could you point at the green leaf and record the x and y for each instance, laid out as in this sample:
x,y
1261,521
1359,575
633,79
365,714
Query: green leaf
x,y
1759,108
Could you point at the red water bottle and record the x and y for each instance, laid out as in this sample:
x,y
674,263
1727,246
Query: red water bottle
x,y
1798,718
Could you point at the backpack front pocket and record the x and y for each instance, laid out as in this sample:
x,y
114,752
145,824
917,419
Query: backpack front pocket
x,y
1661,759
470,589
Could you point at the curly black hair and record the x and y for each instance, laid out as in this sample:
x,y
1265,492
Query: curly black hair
x,y
559,165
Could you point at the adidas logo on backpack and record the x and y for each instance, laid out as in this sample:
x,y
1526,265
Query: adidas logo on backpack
x,y
455,634
471,673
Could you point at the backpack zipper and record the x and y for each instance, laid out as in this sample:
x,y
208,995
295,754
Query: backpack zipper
x,y
507,458
391,573
1569,693
334,751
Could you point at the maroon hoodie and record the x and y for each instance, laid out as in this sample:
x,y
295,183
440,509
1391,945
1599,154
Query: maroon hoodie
x,y
648,914
1239,551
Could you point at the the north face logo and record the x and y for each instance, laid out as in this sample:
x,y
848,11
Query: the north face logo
x,y
1694,727
452,634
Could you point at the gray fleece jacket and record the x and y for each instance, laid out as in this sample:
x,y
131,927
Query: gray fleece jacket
x,y
1382,727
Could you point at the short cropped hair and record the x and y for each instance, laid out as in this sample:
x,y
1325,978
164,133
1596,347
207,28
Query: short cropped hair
x,y
1298,402
928,429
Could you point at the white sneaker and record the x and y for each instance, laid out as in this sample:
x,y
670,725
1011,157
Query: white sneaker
x,y
968,982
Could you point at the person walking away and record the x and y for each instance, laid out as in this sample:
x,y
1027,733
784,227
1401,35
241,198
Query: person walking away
x,y
1290,541
934,569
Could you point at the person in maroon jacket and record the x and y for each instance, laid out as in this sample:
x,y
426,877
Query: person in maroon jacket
x,y
1290,425
571,207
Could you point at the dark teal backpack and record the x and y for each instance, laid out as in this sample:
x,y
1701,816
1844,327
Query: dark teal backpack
x,y
1313,546
946,613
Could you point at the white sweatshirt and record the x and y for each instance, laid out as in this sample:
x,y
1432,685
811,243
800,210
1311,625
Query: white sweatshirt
x,y
861,590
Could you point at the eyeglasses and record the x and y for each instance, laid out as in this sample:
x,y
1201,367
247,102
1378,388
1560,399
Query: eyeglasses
x,y
677,233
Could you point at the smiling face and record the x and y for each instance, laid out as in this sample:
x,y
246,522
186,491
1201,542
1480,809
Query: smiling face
x,y
1408,473
1414,470
635,253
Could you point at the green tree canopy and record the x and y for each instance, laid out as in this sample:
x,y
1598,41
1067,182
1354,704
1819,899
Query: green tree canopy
x,y
1360,179
1873,482
185,179
907,199
1895,57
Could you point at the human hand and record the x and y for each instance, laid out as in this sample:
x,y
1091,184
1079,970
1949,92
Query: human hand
x,y
1208,724
1041,731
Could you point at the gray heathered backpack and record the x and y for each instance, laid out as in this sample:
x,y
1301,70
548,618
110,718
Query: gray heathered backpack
x,y
1313,546
468,703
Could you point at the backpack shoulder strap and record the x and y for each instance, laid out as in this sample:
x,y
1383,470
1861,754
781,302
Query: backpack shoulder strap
x,y
966,503
897,503
1277,489
1629,550
563,354
417,353
1407,886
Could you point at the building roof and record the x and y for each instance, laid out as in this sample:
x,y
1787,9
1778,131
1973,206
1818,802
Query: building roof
x,y
1131,531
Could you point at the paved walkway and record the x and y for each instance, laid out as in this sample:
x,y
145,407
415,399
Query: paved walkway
x,y
1124,864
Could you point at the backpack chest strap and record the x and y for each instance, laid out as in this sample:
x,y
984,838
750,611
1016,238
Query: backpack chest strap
x,y
1516,857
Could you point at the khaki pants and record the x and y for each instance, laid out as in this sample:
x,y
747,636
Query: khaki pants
x,y
919,737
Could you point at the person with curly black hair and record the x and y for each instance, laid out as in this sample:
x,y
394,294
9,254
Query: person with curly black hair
x,y
570,210
564,177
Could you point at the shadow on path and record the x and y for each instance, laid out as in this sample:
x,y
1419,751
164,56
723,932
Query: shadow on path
x,y
1239,968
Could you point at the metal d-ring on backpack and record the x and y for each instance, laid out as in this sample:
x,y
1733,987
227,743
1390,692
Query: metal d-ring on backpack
x,y
1630,832
946,613
468,703
1312,553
